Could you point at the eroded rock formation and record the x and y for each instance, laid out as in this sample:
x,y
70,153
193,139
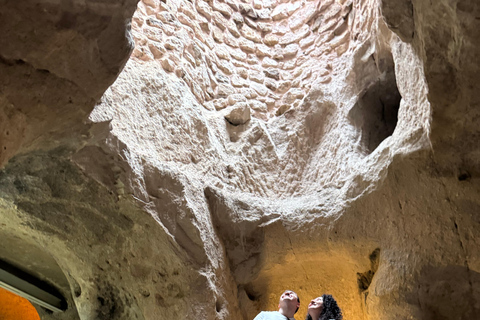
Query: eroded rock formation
x,y
245,148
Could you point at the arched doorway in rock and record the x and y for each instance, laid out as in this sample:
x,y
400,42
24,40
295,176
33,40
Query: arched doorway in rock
x,y
13,307
32,280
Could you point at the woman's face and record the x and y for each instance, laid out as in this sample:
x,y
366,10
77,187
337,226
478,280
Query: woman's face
x,y
316,304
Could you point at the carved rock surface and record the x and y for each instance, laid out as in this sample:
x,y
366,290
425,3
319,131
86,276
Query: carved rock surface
x,y
351,167
56,59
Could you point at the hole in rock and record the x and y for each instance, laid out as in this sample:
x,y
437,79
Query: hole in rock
x,y
365,279
376,112
218,306
33,275
251,294
77,292
464,176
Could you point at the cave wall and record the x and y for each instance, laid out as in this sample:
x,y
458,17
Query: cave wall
x,y
57,59
245,148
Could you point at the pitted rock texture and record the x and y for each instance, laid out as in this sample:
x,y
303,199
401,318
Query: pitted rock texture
x,y
56,59
267,186
246,148
270,52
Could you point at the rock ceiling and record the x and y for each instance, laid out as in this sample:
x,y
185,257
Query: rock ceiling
x,y
244,147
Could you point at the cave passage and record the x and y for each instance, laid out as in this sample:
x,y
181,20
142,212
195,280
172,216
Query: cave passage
x,y
375,114
28,287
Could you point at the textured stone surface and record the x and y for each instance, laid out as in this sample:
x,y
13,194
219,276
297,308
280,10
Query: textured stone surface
x,y
349,155
56,58
268,36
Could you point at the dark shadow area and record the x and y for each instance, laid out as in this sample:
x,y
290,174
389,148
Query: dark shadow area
x,y
364,279
375,113
42,285
445,293
56,201
250,291
243,240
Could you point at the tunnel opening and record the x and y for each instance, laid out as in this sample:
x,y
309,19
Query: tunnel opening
x,y
33,276
31,288
375,114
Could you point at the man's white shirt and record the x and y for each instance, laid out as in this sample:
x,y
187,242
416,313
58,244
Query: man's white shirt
x,y
271,315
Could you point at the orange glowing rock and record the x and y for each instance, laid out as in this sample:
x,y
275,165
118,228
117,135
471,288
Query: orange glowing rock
x,y
13,307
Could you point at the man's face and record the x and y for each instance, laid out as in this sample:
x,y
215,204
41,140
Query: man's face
x,y
289,300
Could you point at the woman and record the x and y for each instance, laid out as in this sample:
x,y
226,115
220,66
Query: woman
x,y
324,308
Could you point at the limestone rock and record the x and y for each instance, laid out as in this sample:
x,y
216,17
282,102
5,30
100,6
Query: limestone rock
x,y
173,43
238,114
230,40
221,103
224,90
304,43
264,27
280,12
257,105
237,18
203,176
295,37
217,34
204,9
243,72
223,8
237,81
290,50
252,24
232,27
303,16
272,73
257,4
251,34
247,10
257,77
238,54
263,14
168,65
249,93
281,28
234,98
233,4
247,45
267,62
263,51
258,88
271,39
222,53
157,49
219,20
292,95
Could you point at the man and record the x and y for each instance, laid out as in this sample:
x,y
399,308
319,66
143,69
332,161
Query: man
x,y
287,307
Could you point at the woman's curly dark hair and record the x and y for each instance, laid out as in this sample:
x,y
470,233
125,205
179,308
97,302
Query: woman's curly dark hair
x,y
330,310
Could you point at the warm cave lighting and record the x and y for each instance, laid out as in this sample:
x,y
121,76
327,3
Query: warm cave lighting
x,y
13,307
16,286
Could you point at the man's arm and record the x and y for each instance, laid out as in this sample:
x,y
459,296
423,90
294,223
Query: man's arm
x,y
259,316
